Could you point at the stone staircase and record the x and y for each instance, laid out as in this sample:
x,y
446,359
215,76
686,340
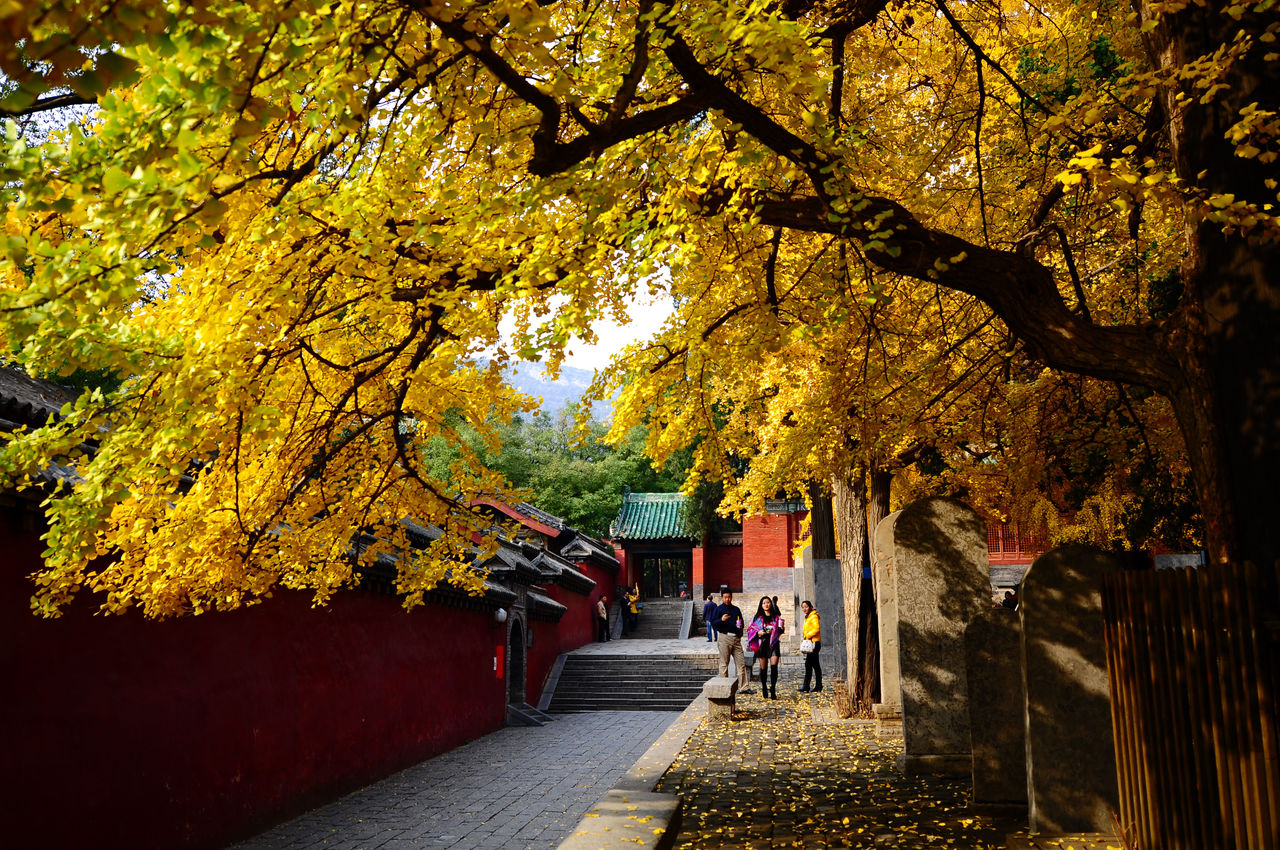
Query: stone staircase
x,y
523,714
630,682
661,619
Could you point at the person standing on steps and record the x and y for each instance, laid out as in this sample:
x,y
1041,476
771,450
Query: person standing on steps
x,y
708,611
633,608
812,631
728,621
602,618
764,637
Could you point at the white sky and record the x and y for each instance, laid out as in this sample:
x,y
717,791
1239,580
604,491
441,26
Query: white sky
x,y
647,315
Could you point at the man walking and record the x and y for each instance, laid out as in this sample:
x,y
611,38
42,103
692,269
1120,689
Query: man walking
x,y
602,618
728,622
708,611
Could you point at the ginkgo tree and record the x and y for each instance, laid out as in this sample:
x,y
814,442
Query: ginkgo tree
x,y
294,228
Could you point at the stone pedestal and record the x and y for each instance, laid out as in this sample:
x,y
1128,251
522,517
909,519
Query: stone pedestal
x,y
828,598
721,693
1071,767
993,665
888,720
942,580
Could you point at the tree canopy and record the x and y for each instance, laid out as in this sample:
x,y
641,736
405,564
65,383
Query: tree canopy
x,y
561,466
297,226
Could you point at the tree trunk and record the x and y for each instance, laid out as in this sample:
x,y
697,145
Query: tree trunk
x,y
1223,337
868,692
849,489
878,499
822,530
877,509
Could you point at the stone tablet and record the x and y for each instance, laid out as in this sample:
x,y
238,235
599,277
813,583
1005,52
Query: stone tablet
x,y
801,589
943,582
993,665
1071,763
828,598
886,589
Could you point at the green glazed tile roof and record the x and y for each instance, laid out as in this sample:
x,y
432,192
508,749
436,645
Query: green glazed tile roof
x,y
649,516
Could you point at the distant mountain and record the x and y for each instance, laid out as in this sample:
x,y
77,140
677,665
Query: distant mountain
x,y
530,379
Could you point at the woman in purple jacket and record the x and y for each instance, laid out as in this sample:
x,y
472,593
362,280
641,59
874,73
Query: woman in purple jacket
x,y
764,637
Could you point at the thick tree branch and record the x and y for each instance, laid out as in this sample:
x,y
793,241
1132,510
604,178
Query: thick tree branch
x,y
1020,290
556,158
45,104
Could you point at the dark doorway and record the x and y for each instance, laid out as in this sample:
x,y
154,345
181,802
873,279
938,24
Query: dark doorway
x,y
667,577
515,667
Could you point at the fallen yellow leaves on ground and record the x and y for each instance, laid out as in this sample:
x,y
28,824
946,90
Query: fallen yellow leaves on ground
x,y
773,778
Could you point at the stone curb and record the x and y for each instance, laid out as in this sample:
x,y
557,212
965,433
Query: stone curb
x,y
553,680
632,814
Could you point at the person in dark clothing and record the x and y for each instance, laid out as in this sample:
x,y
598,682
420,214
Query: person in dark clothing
x,y
728,622
708,609
1010,600
812,630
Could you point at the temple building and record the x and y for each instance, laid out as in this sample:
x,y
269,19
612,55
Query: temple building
x,y
652,541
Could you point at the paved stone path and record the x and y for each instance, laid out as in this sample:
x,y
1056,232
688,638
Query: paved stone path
x,y
635,646
521,787
773,777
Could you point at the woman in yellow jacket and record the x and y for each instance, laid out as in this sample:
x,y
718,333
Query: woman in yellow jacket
x,y
813,632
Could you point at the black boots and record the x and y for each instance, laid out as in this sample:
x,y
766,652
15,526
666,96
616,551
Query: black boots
x,y
773,679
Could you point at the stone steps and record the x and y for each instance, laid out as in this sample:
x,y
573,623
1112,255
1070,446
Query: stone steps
x,y
630,683
661,619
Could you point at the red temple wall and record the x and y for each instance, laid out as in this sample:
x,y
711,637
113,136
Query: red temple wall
x,y
577,626
722,565
767,541
197,731
541,658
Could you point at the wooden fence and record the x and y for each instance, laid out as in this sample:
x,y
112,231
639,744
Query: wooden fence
x,y
1192,657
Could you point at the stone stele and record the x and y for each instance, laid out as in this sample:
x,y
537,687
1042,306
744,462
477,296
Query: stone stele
x,y
993,665
943,581
888,711
828,598
1071,765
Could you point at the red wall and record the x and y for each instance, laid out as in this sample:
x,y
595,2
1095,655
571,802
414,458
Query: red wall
x,y
577,626
628,575
541,657
721,565
192,732
767,541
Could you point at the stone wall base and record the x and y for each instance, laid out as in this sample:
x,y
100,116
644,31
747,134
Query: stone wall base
x,y
888,721
936,764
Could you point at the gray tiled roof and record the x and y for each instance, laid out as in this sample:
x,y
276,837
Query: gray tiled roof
x,y
542,516
30,401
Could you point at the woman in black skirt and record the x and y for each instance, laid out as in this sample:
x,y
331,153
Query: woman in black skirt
x,y
764,637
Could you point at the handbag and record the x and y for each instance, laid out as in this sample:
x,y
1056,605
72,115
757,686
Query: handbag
x,y
806,645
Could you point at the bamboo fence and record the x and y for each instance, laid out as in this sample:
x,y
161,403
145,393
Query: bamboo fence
x,y
1192,657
